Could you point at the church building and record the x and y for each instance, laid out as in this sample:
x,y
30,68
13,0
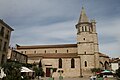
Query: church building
x,y
74,59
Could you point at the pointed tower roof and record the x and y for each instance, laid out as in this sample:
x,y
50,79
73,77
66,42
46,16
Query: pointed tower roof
x,y
83,16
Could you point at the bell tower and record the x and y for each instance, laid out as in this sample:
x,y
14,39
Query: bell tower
x,y
87,40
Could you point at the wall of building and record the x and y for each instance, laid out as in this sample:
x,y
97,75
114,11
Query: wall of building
x,y
48,50
5,33
66,66
114,66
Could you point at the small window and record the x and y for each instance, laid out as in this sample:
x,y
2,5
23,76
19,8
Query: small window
x,y
83,38
67,51
21,51
55,51
34,51
85,52
45,51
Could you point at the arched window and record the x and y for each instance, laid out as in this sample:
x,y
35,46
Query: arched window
x,y
83,38
85,63
72,63
45,51
60,63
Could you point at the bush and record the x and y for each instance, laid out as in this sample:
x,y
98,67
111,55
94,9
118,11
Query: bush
x,y
118,72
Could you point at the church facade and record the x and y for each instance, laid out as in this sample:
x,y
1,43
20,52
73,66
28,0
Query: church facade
x,y
74,59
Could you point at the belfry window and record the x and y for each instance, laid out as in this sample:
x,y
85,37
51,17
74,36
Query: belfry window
x,y
82,28
85,63
85,28
60,63
72,63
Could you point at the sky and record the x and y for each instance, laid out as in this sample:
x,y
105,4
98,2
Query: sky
x,y
49,22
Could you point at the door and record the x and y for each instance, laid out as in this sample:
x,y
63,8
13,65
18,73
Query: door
x,y
47,72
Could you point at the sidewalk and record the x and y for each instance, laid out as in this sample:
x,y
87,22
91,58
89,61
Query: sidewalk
x,y
84,78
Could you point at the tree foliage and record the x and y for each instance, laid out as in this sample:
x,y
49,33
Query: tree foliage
x,y
118,72
12,71
38,71
94,70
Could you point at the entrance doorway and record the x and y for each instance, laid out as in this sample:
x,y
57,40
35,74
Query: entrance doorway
x,y
47,72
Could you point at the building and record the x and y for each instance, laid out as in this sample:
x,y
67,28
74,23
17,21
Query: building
x,y
16,56
115,63
5,33
74,59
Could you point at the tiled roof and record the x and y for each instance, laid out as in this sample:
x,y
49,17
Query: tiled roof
x,y
115,60
47,46
103,55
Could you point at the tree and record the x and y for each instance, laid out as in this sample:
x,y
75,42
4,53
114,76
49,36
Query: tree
x,y
38,71
94,70
118,72
12,70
